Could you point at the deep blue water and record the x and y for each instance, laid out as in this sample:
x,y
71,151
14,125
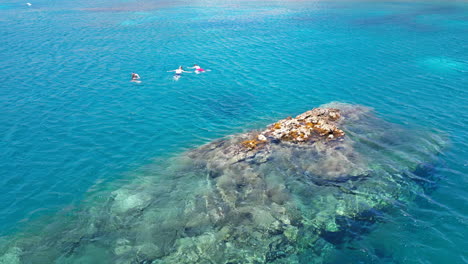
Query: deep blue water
x,y
70,118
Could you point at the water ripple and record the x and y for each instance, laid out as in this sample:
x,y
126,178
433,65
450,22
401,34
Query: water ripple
x,y
70,118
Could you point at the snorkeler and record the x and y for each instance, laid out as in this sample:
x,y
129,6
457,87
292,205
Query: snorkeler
x,y
178,72
198,69
135,76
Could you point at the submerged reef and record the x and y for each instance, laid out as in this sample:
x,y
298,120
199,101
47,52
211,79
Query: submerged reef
x,y
270,196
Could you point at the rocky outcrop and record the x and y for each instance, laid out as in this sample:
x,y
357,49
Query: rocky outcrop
x,y
311,126
312,137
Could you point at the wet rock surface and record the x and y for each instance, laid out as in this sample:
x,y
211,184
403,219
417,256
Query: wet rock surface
x,y
268,196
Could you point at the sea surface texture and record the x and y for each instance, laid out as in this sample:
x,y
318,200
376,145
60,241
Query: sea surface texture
x,y
97,169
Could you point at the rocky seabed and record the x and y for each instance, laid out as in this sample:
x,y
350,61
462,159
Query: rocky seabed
x,y
285,194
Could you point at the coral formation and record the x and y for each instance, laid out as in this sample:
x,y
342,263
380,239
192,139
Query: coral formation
x,y
260,197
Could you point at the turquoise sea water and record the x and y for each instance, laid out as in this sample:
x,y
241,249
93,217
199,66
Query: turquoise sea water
x,y
72,124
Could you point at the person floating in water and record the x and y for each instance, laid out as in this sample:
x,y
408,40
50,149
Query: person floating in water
x,y
198,69
135,77
178,72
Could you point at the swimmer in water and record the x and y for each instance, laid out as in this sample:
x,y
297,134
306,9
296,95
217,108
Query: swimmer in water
x,y
198,69
178,72
135,77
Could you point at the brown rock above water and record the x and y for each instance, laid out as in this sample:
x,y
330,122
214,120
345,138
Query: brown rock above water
x,y
314,125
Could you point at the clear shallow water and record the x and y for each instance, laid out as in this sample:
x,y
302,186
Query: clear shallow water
x,y
71,122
